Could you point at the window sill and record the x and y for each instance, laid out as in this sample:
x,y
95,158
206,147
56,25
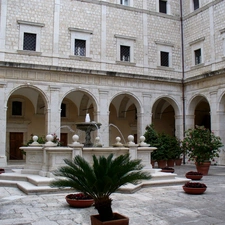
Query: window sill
x,y
197,66
125,63
26,52
165,68
82,58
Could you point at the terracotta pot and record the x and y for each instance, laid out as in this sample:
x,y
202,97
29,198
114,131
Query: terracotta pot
x,y
194,177
170,162
161,163
203,167
82,203
167,170
119,220
194,191
178,162
2,170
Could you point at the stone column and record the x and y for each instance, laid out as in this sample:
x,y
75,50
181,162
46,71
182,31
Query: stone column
x,y
103,117
3,119
221,133
145,117
3,22
213,113
54,112
56,33
190,121
179,126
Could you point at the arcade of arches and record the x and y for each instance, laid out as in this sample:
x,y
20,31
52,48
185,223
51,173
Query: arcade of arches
x,y
37,110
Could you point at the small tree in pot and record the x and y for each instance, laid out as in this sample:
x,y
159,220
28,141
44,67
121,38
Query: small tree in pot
x,y
101,179
201,145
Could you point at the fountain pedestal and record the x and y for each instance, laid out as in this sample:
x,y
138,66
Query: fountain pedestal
x,y
88,127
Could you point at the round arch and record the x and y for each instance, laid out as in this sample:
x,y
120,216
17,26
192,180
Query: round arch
x,y
164,112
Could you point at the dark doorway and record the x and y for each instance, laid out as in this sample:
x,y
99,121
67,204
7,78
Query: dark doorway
x,y
16,141
63,139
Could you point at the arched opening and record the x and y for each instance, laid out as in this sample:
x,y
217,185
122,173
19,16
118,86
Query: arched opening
x,y
123,118
25,116
163,117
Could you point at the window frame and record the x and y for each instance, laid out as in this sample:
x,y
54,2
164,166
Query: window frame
x,y
80,34
160,1
195,45
124,41
122,2
11,107
83,55
168,6
33,28
198,57
24,43
20,108
168,58
121,56
164,47
194,4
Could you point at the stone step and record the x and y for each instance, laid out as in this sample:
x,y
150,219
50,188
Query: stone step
x,y
35,184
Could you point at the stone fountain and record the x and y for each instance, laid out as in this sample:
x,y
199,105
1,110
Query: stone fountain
x,y
88,127
43,159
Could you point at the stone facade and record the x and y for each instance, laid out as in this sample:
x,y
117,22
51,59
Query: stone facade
x,y
125,94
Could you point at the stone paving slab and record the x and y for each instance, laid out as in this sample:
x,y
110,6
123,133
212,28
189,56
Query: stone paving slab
x,y
164,205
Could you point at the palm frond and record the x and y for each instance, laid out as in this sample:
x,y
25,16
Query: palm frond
x,y
102,178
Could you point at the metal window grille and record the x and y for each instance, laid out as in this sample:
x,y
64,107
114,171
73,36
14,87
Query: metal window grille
x,y
196,4
164,58
63,110
162,6
80,47
16,108
198,56
125,53
29,42
124,2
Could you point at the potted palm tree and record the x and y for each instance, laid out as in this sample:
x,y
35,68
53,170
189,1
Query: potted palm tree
x,y
100,180
202,146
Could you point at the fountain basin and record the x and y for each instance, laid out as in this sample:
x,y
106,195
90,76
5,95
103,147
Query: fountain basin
x,y
88,127
91,126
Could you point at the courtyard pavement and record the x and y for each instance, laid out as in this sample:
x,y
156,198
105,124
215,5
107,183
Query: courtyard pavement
x,y
165,205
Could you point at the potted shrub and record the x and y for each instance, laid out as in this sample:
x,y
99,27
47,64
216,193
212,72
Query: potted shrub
x,y
151,137
194,175
100,180
174,151
79,200
201,145
167,170
194,188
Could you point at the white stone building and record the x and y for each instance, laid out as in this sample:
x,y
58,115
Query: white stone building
x,y
128,63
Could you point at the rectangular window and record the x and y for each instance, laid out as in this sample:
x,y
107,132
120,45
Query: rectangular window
x,y
196,4
164,58
29,41
198,56
162,6
80,47
63,110
16,108
125,53
124,2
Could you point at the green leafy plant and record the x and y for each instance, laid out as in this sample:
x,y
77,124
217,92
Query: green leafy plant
x,y
168,147
101,179
201,145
